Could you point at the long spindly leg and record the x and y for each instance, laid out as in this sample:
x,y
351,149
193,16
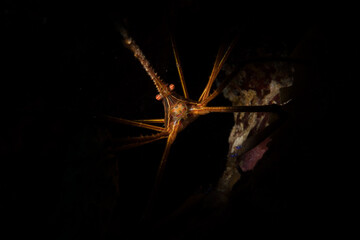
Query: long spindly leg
x,y
264,108
132,142
138,123
159,120
208,86
219,62
216,92
178,66
170,140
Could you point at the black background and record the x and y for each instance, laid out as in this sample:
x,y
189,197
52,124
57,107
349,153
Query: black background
x,y
63,64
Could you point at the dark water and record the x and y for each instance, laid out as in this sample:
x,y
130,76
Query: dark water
x,y
64,64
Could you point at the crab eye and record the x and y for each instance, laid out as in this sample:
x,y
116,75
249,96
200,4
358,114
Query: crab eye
x,y
158,97
171,87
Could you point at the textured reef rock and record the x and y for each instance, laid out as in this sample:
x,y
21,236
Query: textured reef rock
x,y
207,213
256,84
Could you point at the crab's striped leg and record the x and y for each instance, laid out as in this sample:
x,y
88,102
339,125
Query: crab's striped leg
x,y
138,123
263,108
159,120
132,142
216,92
219,62
178,66
170,140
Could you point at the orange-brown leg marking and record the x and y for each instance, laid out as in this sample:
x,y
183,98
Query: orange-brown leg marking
x,y
160,171
131,142
264,108
160,120
178,66
219,62
134,123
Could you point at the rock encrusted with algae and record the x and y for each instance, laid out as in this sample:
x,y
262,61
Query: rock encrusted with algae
x,y
256,84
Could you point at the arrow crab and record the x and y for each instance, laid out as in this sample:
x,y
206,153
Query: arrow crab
x,y
181,110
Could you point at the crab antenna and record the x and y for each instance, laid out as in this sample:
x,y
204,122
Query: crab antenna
x,y
139,55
